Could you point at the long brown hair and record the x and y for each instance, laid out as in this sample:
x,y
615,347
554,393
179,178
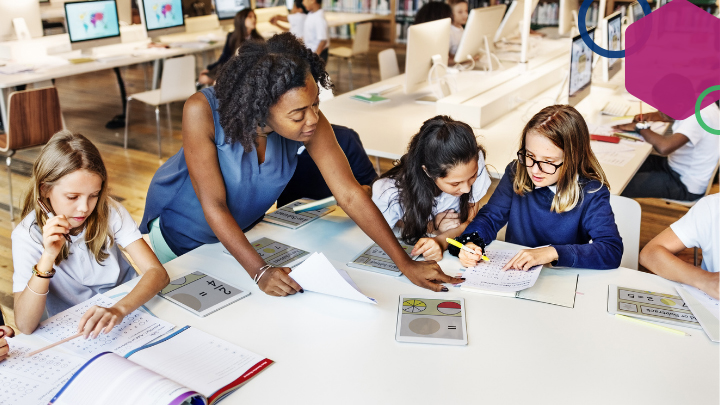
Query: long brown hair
x,y
241,33
565,128
66,153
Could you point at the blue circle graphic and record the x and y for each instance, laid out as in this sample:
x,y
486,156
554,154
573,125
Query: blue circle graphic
x,y
586,37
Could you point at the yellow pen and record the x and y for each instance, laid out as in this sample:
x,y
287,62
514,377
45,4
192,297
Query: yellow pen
x,y
465,248
675,331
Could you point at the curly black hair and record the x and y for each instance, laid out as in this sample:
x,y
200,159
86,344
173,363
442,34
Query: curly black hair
x,y
254,80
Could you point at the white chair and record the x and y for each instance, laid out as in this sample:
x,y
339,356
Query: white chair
x,y
388,63
178,83
627,217
361,46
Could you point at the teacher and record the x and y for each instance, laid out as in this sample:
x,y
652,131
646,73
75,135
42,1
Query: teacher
x,y
240,143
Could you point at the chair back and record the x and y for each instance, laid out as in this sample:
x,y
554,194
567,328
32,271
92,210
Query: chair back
x,y
627,217
361,43
388,64
178,79
34,117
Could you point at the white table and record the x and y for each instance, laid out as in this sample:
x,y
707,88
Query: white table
x,y
334,19
334,351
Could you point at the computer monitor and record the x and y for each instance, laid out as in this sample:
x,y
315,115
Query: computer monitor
x,y
424,41
43,1
566,21
661,3
124,11
612,28
580,69
162,17
226,9
29,10
92,23
482,24
636,12
510,24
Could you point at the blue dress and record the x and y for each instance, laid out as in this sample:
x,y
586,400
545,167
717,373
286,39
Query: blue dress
x,y
251,188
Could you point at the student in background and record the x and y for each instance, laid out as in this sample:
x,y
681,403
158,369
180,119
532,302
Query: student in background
x,y
296,19
459,18
690,155
245,23
435,187
698,228
432,11
315,31
5,331
307,181
53,274
555,195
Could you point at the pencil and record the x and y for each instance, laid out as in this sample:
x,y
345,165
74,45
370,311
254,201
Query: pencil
x,y
665,328
49,214
641,116
465,248
54,344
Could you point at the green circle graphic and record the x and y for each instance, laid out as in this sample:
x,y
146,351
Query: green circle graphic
x,y
697,110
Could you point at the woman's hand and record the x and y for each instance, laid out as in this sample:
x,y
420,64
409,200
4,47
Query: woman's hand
x,y
98,319
468,259
527,258
429,248
5,331
277,282
446,221
53,239
427,274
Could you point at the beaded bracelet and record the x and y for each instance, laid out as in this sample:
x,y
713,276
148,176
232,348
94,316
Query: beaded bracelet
x,y
261,272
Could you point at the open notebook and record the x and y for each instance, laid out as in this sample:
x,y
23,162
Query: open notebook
x,y
187,367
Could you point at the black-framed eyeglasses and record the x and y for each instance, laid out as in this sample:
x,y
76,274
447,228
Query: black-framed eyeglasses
x,y
545,167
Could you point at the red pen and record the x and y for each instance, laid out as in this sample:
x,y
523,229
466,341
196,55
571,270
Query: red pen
x,y
50,215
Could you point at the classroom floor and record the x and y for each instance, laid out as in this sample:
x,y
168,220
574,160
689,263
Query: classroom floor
x,y
89,101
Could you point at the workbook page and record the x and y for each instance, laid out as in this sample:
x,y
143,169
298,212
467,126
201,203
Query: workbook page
x,y
490,276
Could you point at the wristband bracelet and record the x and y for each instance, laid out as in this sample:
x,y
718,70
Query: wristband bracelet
x,y
40,274
35,292
261,272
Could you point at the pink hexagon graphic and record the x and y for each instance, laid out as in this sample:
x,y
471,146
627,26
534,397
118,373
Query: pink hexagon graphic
x,y
673,55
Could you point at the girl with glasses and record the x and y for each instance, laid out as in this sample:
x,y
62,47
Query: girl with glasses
x,y
554,198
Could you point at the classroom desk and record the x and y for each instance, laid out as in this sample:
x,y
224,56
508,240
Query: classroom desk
x,y
385,129
333,18
330,350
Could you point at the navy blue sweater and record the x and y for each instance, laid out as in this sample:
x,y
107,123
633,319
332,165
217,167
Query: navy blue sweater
x,y
531,223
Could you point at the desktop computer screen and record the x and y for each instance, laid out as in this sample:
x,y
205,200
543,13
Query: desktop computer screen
x,y
637,11
92,21
162,14
424,41
614,35
481,23
226,9
510,25
580,69
27,10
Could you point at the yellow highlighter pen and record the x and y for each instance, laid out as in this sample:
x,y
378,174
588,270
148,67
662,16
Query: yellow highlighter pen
x,y
465,248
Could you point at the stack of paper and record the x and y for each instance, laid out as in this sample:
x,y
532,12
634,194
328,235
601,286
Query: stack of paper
x,y
490,277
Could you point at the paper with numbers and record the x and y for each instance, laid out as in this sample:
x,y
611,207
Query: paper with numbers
x,y
36,379
135,330
375,259
489,276
650,306
201,294
285,215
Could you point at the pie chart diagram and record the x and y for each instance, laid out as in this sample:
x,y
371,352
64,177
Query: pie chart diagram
x,y
449,308
413,306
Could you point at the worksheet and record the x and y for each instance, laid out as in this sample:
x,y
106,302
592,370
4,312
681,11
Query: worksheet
x,y
490,276
135,330
710,303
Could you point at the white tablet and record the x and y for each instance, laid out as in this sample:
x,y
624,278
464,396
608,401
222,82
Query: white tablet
x,y
431,320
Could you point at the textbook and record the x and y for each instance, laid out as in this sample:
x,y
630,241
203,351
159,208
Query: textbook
x,y
375,259
187,367
285,216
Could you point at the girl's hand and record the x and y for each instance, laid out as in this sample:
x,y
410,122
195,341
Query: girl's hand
x,y
53,239
277,282
527,258
468,259
429,248
5,331
446,221
98,319
427,274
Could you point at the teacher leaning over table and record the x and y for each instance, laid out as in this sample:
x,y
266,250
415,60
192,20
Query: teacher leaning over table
x,y
240,143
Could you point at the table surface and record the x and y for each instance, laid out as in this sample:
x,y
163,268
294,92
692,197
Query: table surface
x,y
331,350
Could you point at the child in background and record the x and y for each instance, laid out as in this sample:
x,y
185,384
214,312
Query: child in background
x,y
53,274
698,228
296,19
433,11
555,195
435,187
459,19
315,32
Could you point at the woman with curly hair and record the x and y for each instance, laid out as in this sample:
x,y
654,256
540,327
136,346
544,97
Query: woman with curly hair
x,y
240,143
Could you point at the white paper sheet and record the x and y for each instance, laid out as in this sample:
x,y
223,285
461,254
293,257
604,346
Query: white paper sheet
x,y
705,300
317,274
490,276
135,330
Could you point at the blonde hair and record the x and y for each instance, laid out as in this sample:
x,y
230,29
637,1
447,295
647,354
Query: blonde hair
x,y
565,128
66,153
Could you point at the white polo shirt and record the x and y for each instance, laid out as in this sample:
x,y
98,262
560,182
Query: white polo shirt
x,y
696,160
315,30
700,227
80,276
456,34
297,24
385,195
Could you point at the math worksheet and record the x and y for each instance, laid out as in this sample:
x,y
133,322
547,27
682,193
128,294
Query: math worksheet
x,y
490,276
135,330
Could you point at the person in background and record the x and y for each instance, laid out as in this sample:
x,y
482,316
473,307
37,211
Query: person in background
x,y
296,19
690,156
698,228
459,18
315,32
432,11
245,23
